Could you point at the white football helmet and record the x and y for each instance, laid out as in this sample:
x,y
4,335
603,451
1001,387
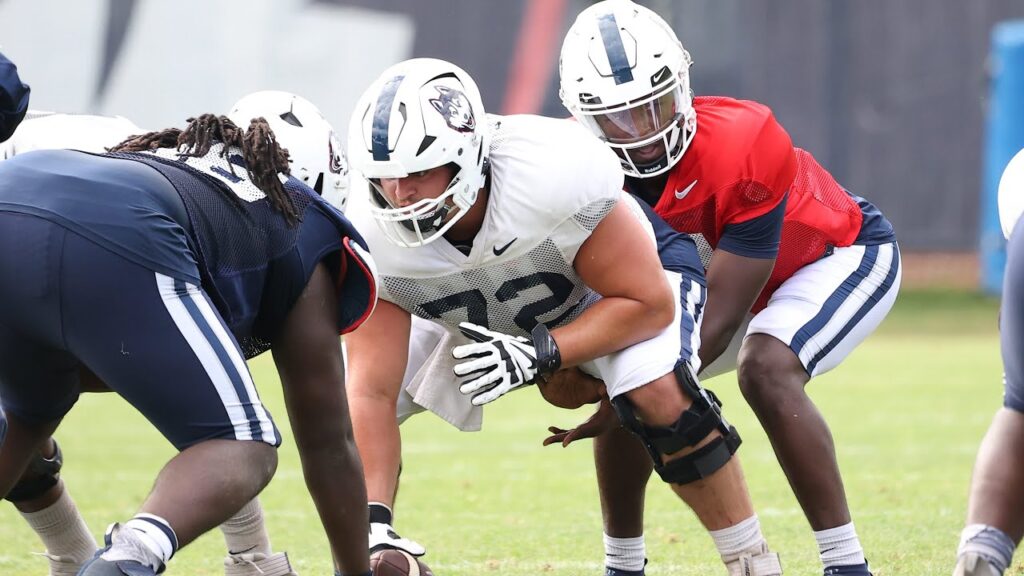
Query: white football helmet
x,y
421,114
1011,194
625,76
315,152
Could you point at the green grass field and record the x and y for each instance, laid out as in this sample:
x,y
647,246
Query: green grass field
x,y
907,411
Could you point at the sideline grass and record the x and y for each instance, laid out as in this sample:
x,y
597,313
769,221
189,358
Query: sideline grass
x,y
907,411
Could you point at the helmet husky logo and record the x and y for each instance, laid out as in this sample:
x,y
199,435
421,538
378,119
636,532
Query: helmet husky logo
x,y
454,106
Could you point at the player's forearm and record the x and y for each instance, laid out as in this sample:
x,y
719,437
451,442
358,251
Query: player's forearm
x,y
610,325
716,332
334,478
379,442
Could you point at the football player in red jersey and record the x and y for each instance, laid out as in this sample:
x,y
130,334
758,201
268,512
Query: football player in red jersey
x,y
799,270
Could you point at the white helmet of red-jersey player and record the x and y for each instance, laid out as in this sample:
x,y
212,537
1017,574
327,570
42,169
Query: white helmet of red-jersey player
x,y
1011,194
625,76
314,151
418,115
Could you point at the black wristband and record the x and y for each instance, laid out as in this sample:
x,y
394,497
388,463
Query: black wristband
x,y
549,359
380,513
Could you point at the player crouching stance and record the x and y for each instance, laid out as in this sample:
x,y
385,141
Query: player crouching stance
x,y
514,234
188,251
315,158
995,511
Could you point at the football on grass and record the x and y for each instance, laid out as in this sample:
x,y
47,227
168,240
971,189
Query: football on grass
x,y
397,563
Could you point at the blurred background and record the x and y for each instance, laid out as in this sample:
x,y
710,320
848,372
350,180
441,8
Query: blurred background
x,y
890,95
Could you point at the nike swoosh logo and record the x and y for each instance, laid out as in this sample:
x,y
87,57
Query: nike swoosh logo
x,y
657,77
500,251
680,194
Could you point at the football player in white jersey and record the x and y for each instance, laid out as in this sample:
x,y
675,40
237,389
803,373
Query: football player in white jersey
x,y
514,234
317,159
995,511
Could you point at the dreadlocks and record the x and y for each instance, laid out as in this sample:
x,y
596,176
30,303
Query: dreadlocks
x,y
264,157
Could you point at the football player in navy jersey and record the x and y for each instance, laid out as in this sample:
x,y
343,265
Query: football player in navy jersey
x,y
316,158
13,104
995,510
189,251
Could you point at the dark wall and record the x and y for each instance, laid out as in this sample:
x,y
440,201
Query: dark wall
x,y
888,94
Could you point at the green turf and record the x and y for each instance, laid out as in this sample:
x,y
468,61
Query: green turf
x,y
907,411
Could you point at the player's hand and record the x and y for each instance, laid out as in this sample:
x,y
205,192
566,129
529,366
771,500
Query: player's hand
x,y
383,536
498,363
570,388
602,421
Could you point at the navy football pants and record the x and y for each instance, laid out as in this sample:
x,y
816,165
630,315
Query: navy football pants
x,y
155,340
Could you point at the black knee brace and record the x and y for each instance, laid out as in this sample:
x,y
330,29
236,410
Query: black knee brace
x,y
41,475
702,418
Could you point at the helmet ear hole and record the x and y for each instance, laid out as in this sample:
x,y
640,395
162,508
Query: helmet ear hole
x,y
318,186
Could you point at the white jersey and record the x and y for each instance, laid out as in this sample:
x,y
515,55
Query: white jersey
x,y
552,183
47,131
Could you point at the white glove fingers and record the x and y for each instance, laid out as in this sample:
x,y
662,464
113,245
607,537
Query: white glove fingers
x,y
468,368
472,351
475,385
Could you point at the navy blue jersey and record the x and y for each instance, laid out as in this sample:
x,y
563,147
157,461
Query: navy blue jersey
x,y
677,251
13,98
875,228
176,219
1011,322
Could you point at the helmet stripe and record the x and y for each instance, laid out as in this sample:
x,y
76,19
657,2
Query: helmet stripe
x,y
617,58
382,118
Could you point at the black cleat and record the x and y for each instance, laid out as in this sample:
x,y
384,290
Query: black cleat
x,y
848,570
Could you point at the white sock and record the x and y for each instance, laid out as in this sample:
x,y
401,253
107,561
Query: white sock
x,y
627,554
737,538
990,542
63,532
245,532
146,538
839,546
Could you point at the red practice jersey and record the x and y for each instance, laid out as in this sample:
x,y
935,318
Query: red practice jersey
x,y
741,165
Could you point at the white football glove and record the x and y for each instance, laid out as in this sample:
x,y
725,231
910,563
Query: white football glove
x,y
383,536
501,363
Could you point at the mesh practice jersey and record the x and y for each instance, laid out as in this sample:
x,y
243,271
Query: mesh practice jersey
x,y
551,184
742,168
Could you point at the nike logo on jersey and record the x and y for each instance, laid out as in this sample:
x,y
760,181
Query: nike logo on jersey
x,y
500,251
680,194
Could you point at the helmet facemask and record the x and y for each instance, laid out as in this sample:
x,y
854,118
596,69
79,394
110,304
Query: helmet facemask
x,y
422,221
649,135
